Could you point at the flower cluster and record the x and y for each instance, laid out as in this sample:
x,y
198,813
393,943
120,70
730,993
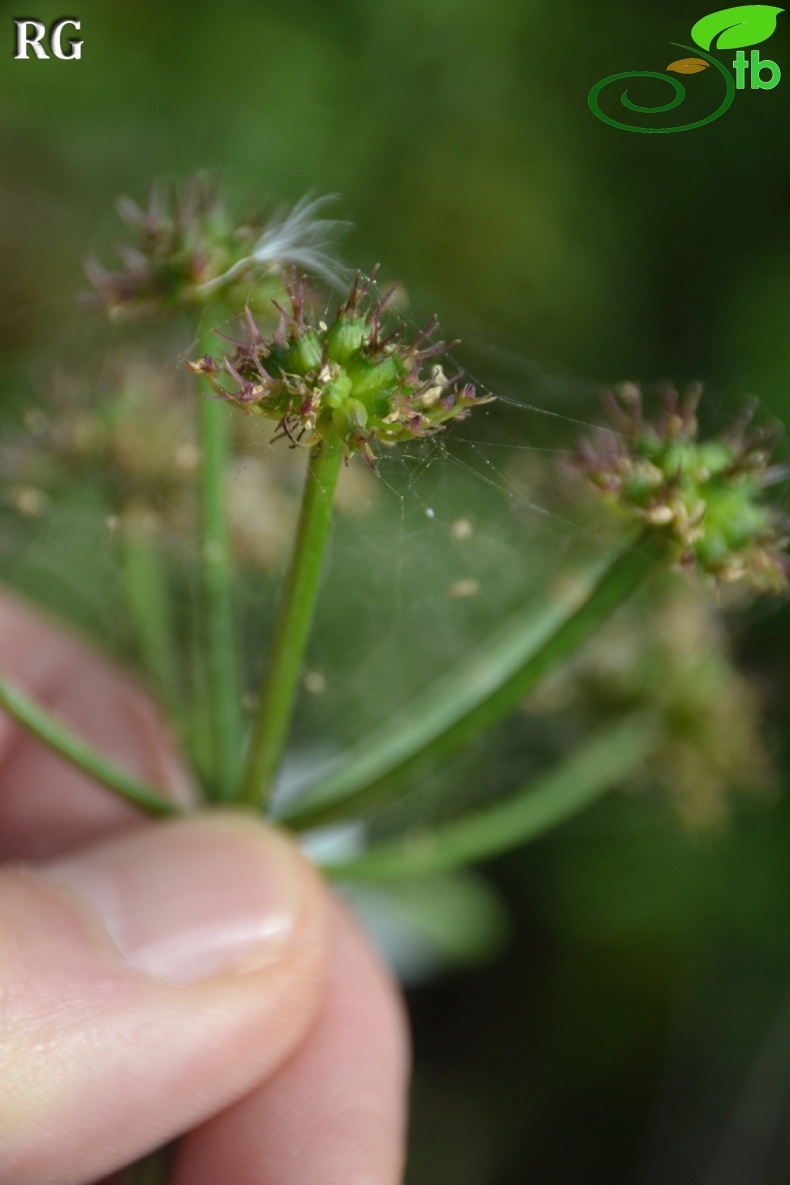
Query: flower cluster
x,y
704,496
190,247
347,376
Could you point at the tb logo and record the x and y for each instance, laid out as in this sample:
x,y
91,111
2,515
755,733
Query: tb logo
x,y
31,34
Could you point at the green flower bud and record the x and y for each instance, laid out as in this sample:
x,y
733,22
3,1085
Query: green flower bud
x,y
305,353
641,484
715,456
367,376
337,391
345,338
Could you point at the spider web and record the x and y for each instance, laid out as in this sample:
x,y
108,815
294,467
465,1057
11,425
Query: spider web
x,y
427,556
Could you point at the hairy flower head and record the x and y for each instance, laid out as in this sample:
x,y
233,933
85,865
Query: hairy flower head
x,y
189,247
706,497
350,374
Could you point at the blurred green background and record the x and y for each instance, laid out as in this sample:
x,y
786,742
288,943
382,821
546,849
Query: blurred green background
x,y
637,1029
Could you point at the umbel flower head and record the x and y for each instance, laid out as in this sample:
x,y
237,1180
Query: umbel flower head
x,y
706,497
189,246
348,375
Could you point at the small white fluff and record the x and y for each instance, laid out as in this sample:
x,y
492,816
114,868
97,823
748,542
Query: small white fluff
x,y
296,236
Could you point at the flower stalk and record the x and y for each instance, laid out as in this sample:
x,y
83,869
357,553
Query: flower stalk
x,y
47,729
340,386
150,609
223,684
595,769
292,627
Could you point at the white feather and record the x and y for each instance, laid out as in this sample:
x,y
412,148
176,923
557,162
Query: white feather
x,y
294,237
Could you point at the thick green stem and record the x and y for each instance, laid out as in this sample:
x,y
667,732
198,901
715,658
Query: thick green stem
x,y
564,791
292,627
473,696
222,663
77,752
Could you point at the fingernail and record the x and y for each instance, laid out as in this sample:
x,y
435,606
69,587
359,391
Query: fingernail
x,y
188,900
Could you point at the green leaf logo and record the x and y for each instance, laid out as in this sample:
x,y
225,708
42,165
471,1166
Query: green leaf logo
x,y
748,24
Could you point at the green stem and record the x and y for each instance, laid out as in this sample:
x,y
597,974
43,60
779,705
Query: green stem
x,y
200,733
292,627
224,686
77,752
561,793
150,611
473,696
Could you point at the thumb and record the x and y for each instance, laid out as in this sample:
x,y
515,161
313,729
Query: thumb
x,y
146,983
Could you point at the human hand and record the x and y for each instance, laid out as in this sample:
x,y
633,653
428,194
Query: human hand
x,y
190,978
